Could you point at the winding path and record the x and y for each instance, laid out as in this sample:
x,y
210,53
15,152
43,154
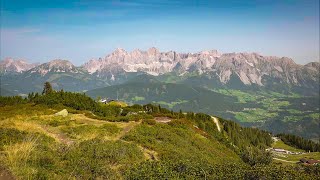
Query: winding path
x,y
216,121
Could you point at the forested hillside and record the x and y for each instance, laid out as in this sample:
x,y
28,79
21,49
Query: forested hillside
x,y
96,140
285,112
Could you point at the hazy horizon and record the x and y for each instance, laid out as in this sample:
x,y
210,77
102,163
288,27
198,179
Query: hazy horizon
x,y
78,31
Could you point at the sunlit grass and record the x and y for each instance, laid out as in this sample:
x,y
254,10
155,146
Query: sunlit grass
x,y
281,145
17,155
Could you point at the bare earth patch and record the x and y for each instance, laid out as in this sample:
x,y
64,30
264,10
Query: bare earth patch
x,y
61,137
126,127
216,121
5,175
162,119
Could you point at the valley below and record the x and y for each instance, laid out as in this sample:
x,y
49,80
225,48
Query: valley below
x,y
61,135
160,115
273,111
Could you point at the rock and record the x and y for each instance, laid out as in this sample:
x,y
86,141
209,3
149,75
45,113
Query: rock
x,y
62,113
223,68
249,68
57,65
11,65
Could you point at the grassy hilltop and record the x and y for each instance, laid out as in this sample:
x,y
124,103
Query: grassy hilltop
x,y
99,141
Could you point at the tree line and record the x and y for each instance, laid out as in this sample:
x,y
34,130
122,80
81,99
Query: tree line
x,y
249,143
50,97
299,142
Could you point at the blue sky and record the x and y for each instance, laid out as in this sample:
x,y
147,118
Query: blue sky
x,y
42,30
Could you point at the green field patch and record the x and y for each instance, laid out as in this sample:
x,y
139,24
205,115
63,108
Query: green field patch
x,y
294,111
292,118
254,115
170,104
272,104
118,103
281,145
91,131
314,116
138,98
243,97
297,157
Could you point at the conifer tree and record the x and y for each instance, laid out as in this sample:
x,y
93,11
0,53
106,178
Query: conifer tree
x,y
47,89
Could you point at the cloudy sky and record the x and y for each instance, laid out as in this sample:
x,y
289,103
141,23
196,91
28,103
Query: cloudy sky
x,y
78,30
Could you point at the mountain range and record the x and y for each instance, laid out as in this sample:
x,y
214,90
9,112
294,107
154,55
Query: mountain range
x,y
206,68
268,92
10,65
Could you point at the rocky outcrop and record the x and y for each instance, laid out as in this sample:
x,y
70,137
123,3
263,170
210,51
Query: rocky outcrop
x,y
250,68
57,66
63,113
10,65
228,68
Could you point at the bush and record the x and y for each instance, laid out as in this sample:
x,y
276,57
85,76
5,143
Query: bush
x,y
83,131
59,121
254,156
149,121
93,159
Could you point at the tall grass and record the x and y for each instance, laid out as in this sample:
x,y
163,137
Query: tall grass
x,y
17,156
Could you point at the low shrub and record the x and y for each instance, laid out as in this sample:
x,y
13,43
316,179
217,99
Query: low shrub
x,y
149,121
11,136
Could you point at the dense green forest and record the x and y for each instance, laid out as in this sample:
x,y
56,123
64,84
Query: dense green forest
x,y
101,145
299,142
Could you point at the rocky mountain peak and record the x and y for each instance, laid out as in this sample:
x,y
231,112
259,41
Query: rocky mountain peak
x,y
7,61
11,65
153,51
213,53
60,63
92,65
136,52
57,66
119,52
313,65
287,61
250,68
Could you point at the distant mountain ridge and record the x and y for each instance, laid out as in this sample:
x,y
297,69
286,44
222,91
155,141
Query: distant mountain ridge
x,y
10,65
242,69
251,68
61,73
57,65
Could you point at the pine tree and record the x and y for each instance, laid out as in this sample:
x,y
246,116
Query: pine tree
x,y
47,89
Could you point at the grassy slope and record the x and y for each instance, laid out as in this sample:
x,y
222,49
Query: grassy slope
x,y
290,158
281,145
34,144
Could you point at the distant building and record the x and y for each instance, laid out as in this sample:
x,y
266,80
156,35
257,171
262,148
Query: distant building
x,y
110,100
303,160
279,150
282,151
275,139
309,161
103,101
106,100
